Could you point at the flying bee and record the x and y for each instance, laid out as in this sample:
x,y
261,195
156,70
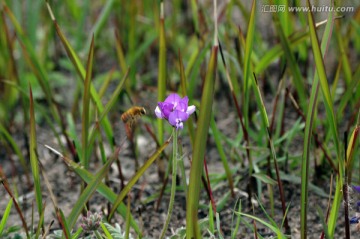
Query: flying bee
x,y
130,116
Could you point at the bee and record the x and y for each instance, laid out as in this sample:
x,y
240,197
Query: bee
x,y
130,116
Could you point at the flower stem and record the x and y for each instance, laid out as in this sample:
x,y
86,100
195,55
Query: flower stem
x,y
173,184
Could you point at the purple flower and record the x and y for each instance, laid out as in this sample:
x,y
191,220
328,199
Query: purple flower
x,y
175,110
356,188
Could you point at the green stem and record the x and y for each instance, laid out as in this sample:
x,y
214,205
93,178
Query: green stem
x,y
98,235
173,184
183,175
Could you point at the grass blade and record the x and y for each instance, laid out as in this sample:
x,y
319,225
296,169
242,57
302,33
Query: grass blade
x,y
16,149
200,140
266,125
277,51
86,108
119,51
104,15
352,148
113,99
320,76
5,216
268,225
161,70
184,93
33,156
298,79
222,154
64,226
247,63
135,178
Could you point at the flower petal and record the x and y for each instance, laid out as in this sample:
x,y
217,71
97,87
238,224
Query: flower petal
x,y
166,109
158,112
173,99
176,118
356,188
183,104
191,109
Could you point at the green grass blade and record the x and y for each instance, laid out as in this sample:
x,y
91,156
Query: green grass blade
x,y
141,49
161,71
268,225
297,77
104,15
69,50
222,154
344,58
194,11
5,216
349,94
323,222
120,52
274,53
105,85
247,63
320,68
277,51
89,190
211,219
136,177
109,105
350,151
238,219
63,223
265,178
266,126
86,108
15,147
194,67
106,231
33,156
30,52
184,93
40,226
127,220
320,76
200,144
34,63
333,217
